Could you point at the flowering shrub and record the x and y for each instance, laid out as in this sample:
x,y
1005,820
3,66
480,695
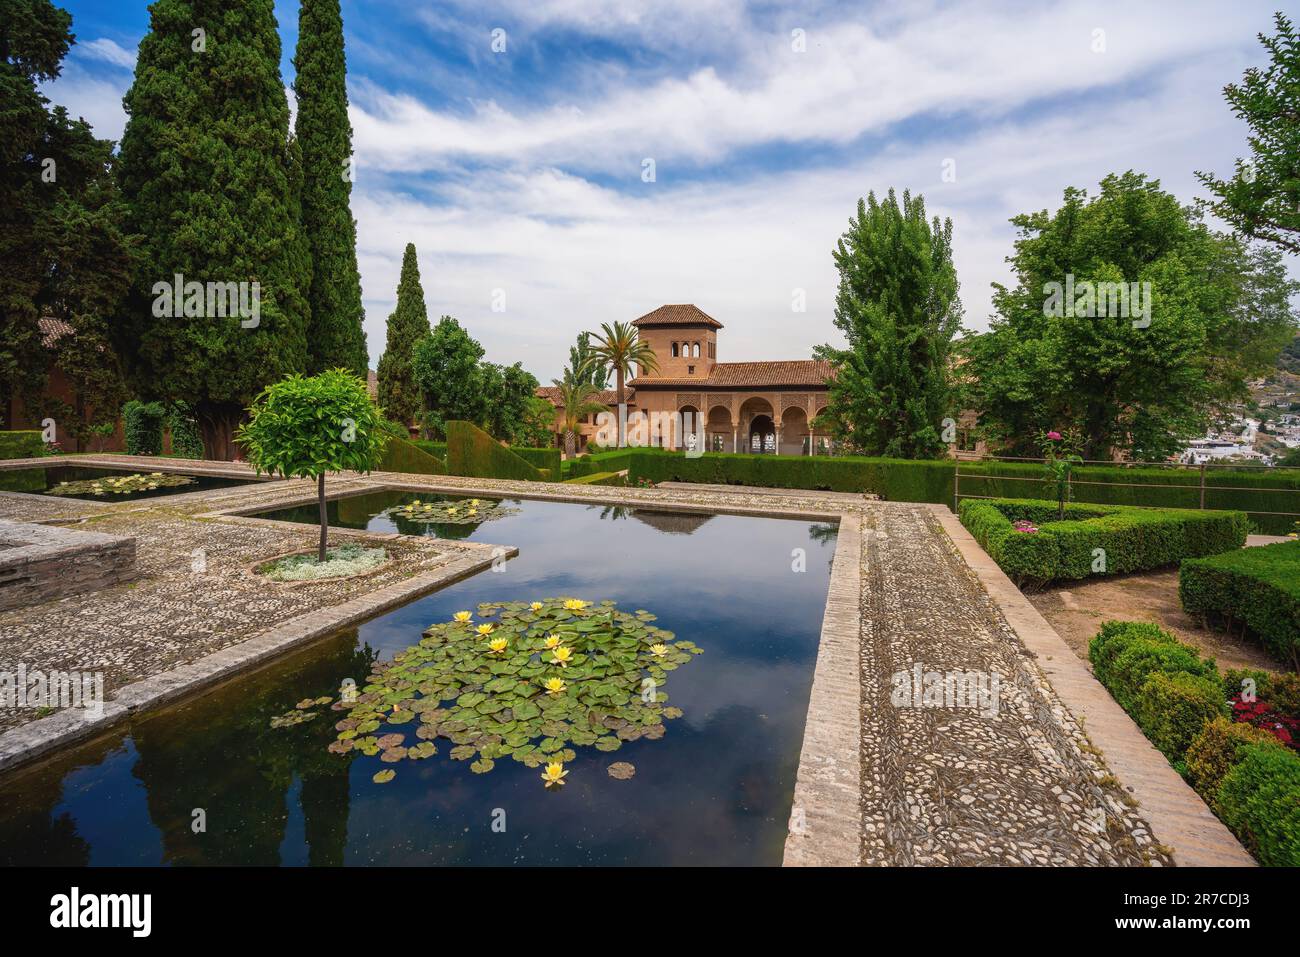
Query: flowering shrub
x,y
1061,455
1024,525
348,559
1262,715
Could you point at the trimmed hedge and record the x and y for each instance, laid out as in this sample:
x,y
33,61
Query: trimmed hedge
x,y
22,444
1133,539
472,452
1256,491
1258,587
898,480
1178,700
598,478
548,460
401,455
143,425
1259,800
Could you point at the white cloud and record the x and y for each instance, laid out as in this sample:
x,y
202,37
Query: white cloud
x,y
91,97
106,50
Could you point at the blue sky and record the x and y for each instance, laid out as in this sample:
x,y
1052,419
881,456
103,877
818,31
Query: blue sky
x,y
518,173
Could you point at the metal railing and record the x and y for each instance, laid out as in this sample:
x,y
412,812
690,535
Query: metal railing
x,y
1200,485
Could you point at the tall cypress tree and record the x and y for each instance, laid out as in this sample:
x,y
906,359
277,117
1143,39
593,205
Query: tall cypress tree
x,y
897,305
212,179
336,337
399,395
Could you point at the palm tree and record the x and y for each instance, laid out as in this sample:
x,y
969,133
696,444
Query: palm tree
x,y
618,348
579,401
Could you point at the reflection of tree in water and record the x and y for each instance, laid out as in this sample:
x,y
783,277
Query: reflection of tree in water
x,y
611,513
220,754
824,533
30,834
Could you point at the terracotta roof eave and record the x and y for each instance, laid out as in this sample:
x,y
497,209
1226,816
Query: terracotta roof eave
x,y
707,386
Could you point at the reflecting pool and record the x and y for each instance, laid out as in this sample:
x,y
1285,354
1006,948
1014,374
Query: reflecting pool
x,y
78,482
715,788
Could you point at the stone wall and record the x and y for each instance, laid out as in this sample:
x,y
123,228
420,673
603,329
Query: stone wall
x,y
43,562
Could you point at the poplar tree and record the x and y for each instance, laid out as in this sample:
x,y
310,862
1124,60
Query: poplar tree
x,y
897,305
212,180
336,337
399,394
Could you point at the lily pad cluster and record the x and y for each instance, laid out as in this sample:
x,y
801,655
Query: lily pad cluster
x,y
529,681
452,511
300,713
122,484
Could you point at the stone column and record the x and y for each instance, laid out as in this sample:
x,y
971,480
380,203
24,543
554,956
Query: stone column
x,y
776,450
735,439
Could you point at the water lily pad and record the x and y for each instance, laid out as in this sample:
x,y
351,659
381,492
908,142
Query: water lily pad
x,y
621,770
383,777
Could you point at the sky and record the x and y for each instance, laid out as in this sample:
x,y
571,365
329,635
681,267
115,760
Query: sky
x,y
564,163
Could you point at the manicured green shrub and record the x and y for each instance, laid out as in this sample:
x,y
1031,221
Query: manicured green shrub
x,y
598,478
1256,587
1259,800
1216,751
471,451
187,442
546,459
437,449
1125,659
401,455
23,444
1129,539
143,425
1172,708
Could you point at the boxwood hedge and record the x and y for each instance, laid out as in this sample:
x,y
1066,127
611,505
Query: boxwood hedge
x,y
24,444
1178,700
1129,539
1256,587
471,451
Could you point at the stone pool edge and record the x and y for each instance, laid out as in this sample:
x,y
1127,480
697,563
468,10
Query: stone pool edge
x,y
828,784
36,739
1178,817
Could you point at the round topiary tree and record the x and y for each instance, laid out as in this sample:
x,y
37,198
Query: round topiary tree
x,y
305,426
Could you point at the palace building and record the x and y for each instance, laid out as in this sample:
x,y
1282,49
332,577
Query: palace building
x,y
744,406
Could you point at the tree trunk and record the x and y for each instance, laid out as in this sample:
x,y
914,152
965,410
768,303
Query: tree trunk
x,y
324,517
618,375
568,444
217,425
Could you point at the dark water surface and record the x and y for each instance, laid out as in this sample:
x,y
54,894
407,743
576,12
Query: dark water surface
x,y
41,480
716,789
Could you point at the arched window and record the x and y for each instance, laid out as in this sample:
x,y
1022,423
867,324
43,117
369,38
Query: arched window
x,y
674,350
695,352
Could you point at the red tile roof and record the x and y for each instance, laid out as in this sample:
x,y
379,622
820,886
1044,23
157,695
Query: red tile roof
x,y
606,397
681,314
52,330
801,373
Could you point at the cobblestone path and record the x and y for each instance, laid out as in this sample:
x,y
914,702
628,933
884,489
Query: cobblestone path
x,y
953,785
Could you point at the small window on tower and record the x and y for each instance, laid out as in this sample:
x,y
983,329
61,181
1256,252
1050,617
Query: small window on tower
x,y
674,350
695,353
690,370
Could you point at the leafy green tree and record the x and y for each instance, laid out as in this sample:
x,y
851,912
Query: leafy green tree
x,y
212,180
508,394
1262,199
618,349
445,369
399,393
304,427
898,308
61,243
582,368
579,401
1200,312
336,337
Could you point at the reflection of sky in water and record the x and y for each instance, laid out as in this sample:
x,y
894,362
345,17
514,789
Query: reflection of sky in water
x,y
715,789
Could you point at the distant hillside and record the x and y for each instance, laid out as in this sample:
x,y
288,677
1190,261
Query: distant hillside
x,y
1290,357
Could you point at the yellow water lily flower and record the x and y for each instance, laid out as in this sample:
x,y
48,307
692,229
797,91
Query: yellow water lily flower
x,y
472,511
473,501
496,646
462,616
555,686
554,774
561,656
484,630
575,604
551,642
535,606
658,650
416,502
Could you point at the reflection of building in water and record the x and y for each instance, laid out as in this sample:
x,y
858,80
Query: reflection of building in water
x,y
674,523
